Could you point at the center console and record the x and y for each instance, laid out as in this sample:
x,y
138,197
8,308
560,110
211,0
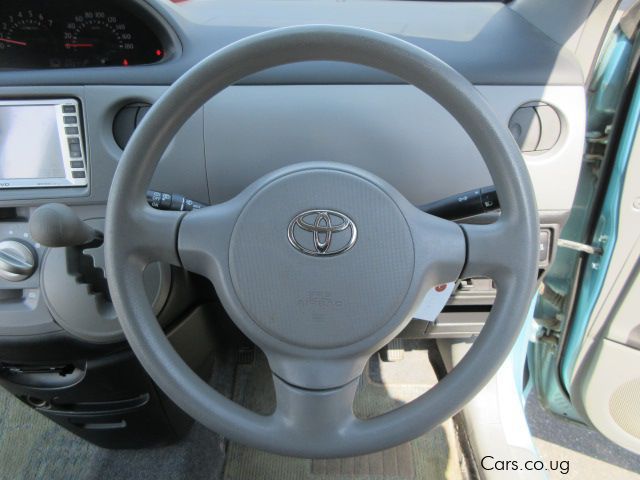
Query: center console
x,y
62,351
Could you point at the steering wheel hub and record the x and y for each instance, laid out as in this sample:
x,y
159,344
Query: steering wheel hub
x,y
321,301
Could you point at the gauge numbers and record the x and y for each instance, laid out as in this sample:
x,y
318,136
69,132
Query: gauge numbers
x,y
37,34
99,38
26,34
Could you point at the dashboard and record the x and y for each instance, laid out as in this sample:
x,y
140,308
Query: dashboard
x,y
76,33
83,73
78,76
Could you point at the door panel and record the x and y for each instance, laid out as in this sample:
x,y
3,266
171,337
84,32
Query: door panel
x,y
611,394
606,384
586,362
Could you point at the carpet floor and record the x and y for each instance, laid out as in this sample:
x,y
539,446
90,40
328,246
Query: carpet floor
x,y
386,386
33,448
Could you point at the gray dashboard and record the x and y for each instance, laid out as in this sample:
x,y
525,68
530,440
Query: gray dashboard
x,y
62,349
393,130
312,111
325,111
487,42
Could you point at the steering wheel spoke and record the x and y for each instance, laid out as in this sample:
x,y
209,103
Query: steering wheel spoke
x,y
439,246
197,241
204,238
151,235
491,250
314,415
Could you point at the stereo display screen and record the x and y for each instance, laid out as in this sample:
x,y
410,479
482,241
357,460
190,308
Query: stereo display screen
x,y
30,143
41,144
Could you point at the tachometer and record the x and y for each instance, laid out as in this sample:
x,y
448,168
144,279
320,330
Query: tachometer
x,y
26,38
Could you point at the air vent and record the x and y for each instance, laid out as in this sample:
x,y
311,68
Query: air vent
x,y
536,127
126,121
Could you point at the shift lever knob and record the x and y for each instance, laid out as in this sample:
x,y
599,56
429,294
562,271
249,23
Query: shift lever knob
x,y
56,225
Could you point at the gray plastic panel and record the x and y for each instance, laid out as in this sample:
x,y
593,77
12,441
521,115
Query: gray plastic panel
x,y
487,42
390,130
393,131
579,25
91,316
181,169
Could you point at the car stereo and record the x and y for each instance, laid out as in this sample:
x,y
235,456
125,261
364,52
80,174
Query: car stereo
x,y
41,144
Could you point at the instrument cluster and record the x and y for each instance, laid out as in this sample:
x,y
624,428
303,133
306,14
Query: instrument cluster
x,y
76,34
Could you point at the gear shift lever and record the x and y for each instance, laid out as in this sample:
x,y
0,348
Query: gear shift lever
x,y
57,225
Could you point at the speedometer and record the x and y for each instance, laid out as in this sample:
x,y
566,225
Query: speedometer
x,y
96,38
79,33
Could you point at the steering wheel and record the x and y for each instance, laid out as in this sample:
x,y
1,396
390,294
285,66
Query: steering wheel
x,y
320,264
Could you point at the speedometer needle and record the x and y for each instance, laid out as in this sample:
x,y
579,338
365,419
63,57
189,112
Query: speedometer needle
x,y
13,42
78,45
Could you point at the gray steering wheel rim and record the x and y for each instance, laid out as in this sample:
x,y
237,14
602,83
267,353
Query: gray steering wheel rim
x,y
417,67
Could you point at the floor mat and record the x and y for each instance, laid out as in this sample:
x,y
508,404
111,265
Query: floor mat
x,y
33,447
433,456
